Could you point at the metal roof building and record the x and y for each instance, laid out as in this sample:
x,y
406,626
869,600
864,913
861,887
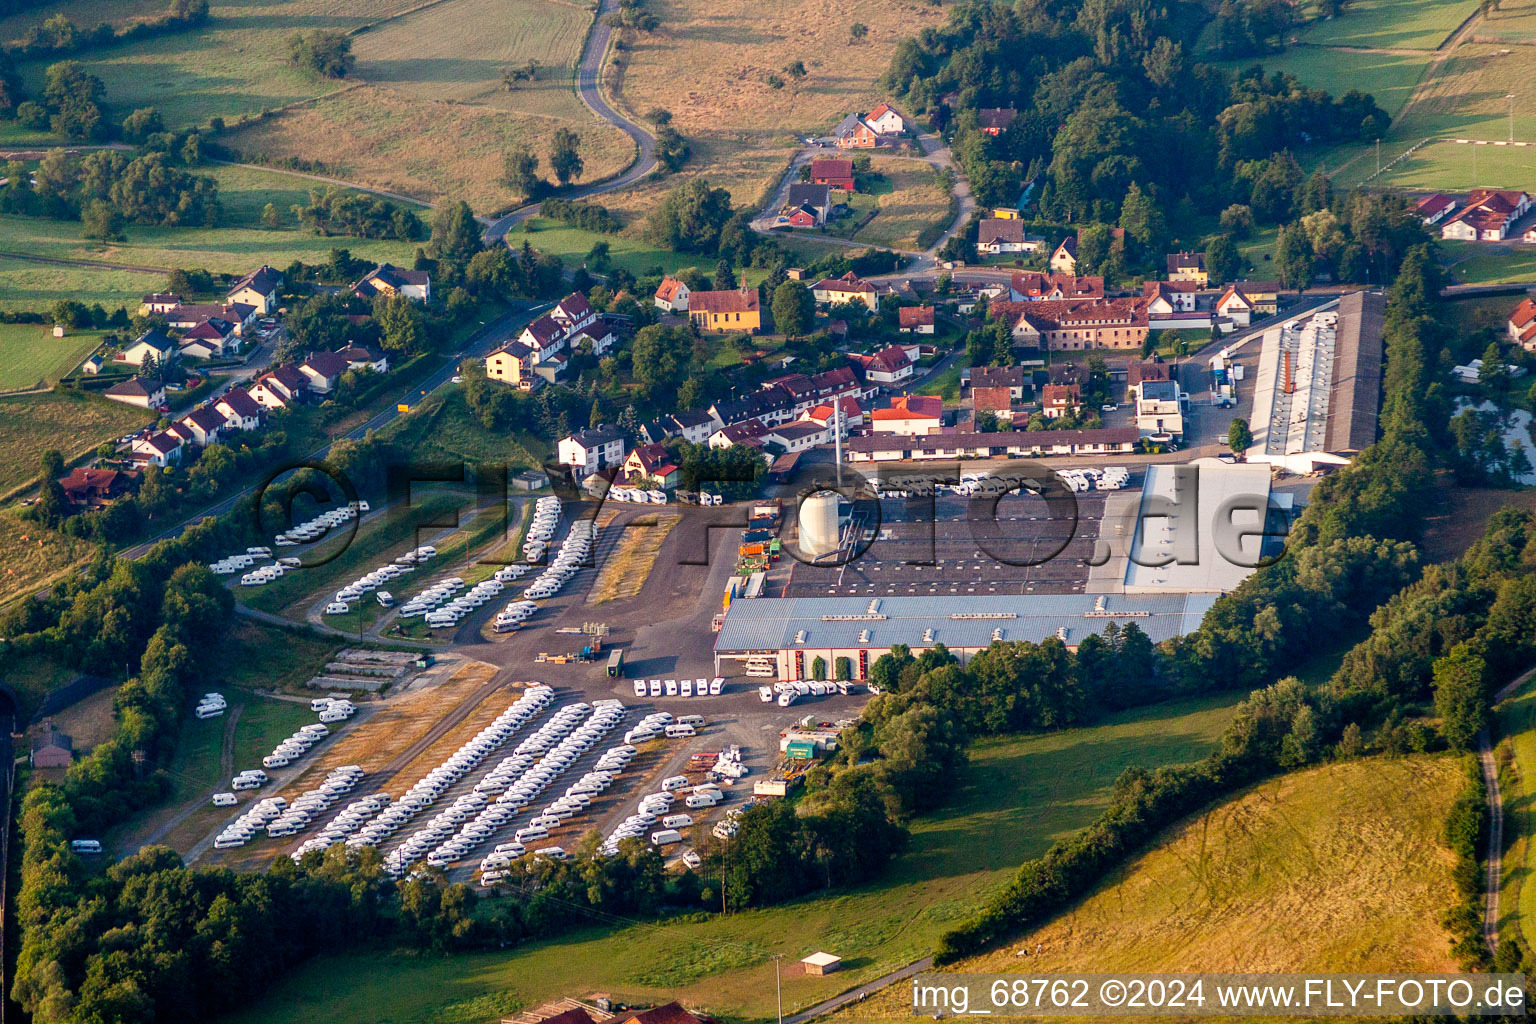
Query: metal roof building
x,y
793,632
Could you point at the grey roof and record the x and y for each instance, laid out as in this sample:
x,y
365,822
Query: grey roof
x,y
1353,411
769,624
815,195
1159,390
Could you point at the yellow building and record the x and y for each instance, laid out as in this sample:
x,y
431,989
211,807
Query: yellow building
x,y
1005,213
736,310
1188,266
511,364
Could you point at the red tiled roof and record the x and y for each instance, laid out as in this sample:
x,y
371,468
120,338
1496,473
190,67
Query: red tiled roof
x,y
668,290
739,300
241,404
915,316
1524,314
831,168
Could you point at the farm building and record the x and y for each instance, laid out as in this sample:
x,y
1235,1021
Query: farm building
x,y
53,749
795,631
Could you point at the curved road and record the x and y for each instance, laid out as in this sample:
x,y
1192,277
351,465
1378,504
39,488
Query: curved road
x,y
589,87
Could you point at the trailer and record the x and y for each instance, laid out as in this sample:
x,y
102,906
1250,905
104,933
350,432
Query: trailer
x,y
616,663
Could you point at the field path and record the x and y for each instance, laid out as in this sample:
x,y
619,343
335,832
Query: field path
x,y
226,768
854,995
589,74
1495,820
89,264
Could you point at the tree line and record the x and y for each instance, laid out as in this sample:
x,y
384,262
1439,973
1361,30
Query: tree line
x,y
59,35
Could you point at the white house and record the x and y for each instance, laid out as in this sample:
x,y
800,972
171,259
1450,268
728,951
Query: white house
x,y
909,414
889,366
884,120
1235,306
153,343
146,394
672,295
574,313
388,279
834,291
1488,215
200,426
280,387
324,370
240,410
798,435
259,288
1159,409
591,450
159,449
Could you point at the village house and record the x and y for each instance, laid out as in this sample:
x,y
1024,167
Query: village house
x,y
1058,400
995,120
747,432
388,279
1016,380
280,387
1163,298
832,171
808,205
1435,208
693,427
1265,296
1159,408
364,357
592,450
888,367
1033,286
512,364
853,133
240,411
885,121
651,462
544,337
146,393
825,413
1002,444
1075,325
86,487
909,414
1188,266
1488,215
1137,371
998,235
574,313
796,436
1064,257
52,749
915,319
199,427
259,288
158,303
833,291
672,296
324,370
153,345
1235,306
159,449
211,339
997,402
185,317
1522,325
735,310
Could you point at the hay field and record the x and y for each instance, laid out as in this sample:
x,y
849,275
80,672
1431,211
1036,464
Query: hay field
x,y
1389,77
625,571
31,355
1513,21
1400,24
909,200
1338,868
30,555
425,148
71,421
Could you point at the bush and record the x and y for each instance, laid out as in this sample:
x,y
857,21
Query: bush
x,y
324,52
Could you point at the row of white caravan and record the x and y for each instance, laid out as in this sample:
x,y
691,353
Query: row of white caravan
x,y
573,552
513,615
546,520
212,705
1109,478
658,809
388,819
318,527
474,817
376,578
295,746
787,693
279,817
442,606
638,495
661,723
680,687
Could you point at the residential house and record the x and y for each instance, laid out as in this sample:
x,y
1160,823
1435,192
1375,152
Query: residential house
x,y
159,449
240,411
211,339
995,120
672,295
909,414
693,427
667,1013
545,336
185,317
652,462
1236,306
915,319
888,367
85,487
146,393
810,198
1188,266
1016,380
201,426
998,235
796,436
1074,325
159,302
259,288
826,412
364,357
1434,208
1265,296
388,279
574,313
597,339
833,291
1522,325
512,364
885,121
553,369
1159,408
771,406
1137,371
1058,400
154,345
799,217
853,133
835,172
734,310
997,401
1164,298
280,387
746,432
592,450
1064,257
1033,286
324,370
1488,215
52,749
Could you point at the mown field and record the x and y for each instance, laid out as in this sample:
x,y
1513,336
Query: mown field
x,y
1338,868
72,422
1471,263
1400,24
907,199
1017,796
30,355
1515,728
1389,77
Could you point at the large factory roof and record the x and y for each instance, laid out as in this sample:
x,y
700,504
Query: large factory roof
x,y
769,624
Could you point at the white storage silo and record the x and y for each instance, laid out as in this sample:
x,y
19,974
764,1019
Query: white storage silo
x,y
818,524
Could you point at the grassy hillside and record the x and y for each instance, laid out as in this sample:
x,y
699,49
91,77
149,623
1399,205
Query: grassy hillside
x,y
1337,868
1516,726
1018,795
72,422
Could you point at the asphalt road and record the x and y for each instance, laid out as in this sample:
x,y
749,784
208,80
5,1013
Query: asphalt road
x,y
589,88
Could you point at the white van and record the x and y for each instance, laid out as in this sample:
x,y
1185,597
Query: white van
x,y
676,731
706,799
225,799
319,704
209,710
85,845
531,833
666,837
274,761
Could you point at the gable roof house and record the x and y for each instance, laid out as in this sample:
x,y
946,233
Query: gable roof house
x,y
364,357
808,198
997,235
545,336
1433,209
1164,298
259,288
1522,325
280,386
826,412
512,364
159,449
153,343
324,370
889,366
1013,379
87,487
52,749
1236,306
834,291
995,120
651,461
591,450
835,172
909,414
745,432
1488,215
796,436
693,427
186,316
885,121
735,310
1033,286
201,427
915,319
1072,325
158,302
672,295
144,393
852,133
1064,256
574,312
1057,400
1188,266
210,339
388,279
240,410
